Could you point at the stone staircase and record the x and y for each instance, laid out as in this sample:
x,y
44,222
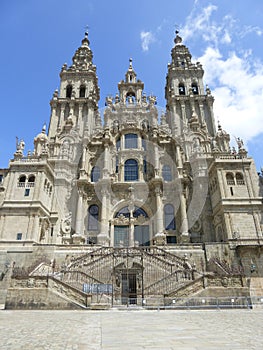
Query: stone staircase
x,y
163,272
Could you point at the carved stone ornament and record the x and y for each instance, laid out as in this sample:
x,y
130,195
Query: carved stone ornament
x,y
66,225
120,220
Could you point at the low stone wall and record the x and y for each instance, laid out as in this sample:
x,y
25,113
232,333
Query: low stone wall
x,y
36,298
43,293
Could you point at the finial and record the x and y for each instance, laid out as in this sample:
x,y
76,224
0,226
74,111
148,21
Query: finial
x,y
178,40
130,63
219,125
85,41
44,128
86,31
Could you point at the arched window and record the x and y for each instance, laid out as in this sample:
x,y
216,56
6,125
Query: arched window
x,y
166,173
31,178
139,211
195,89
22,179
230,179
82,91
131,170
126,212
169,219
93,218
69,91
95,174
240,179
131,141
181,89
130,97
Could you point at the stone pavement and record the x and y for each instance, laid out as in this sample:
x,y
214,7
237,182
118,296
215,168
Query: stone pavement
x,y
136,330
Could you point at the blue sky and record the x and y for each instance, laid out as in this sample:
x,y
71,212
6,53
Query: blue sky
x,y
37,37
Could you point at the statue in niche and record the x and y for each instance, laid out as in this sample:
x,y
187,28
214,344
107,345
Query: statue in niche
x,y
196,145
115,126
145,125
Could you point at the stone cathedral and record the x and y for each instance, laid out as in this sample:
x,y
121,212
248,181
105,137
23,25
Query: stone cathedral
x,y
130,205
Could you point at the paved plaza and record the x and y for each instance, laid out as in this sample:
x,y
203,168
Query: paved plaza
x,y
136,329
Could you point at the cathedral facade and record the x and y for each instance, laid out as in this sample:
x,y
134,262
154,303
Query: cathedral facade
x,y
128,185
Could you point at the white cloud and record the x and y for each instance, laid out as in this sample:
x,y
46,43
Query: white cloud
x,y
147,38
198,21
237,85
234,75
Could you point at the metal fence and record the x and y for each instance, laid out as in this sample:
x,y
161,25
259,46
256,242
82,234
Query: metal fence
x,y
190,303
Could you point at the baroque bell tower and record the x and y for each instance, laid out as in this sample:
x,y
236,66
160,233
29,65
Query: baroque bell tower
x,y
185,93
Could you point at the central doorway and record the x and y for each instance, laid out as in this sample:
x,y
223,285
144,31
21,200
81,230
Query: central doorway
x,y
129,288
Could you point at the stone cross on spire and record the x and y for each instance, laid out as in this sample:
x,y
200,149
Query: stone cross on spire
x,y
130,66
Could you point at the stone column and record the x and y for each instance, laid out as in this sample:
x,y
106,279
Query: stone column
x,y
183,122
156,161
112,235
79,215
140,169
62,115
256,217
79,118
89,123
122,142
2,225
221,183
210,105
249,183
184,221
38,187
202,113
159,236
228,226
103,236
106,161
131,233
173,120
139,142
84,153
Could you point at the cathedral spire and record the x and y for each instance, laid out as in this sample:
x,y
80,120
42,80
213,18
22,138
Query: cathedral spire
x,y
130,76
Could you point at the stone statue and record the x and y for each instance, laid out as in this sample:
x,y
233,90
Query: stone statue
x,y
115,126
240,143
66,224
20,146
